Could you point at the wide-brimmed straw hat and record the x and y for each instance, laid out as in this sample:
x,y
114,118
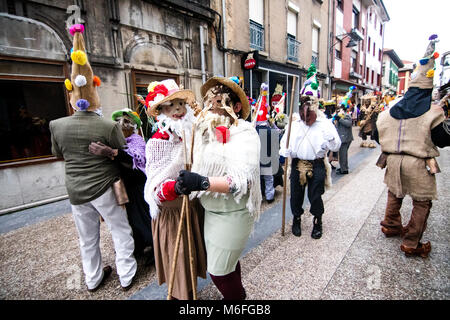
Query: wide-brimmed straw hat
x,y
230,83
160,92
132,114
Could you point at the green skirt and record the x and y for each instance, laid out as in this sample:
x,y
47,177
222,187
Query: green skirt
x,y
227,228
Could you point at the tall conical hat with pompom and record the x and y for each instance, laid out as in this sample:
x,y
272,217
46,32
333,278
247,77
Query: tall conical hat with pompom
x,y
417,100
311,85
82,85
422,76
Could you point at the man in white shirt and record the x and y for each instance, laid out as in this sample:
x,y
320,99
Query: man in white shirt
x,y
310,139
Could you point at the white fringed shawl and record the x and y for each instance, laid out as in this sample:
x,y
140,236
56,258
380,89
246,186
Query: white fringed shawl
x,y
238,158
165,159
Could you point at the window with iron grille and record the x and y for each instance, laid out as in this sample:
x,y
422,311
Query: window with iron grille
x,y
292,48
256,36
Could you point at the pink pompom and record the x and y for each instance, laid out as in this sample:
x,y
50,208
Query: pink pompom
x,y
76,28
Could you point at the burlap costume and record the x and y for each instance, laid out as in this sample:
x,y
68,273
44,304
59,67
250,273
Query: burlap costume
x,y
408,143
405,136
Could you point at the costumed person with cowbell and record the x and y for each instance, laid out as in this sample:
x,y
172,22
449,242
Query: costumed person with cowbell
x,y
369,115
90,178
408,134
225,177
132,171
311,137
173,109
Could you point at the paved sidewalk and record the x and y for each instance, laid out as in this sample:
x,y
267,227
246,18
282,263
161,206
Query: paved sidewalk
x,y
353,260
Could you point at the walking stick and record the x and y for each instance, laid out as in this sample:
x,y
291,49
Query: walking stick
x,y
287,159
185,213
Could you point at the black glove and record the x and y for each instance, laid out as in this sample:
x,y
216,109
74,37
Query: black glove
x,y
190,181
101,149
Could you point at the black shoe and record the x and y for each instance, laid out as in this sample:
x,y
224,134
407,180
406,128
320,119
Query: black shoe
x,y
338,171
106,272
332,167
317,228
270,201
296,227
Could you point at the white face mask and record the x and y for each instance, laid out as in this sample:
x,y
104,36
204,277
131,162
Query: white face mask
x,y
177,126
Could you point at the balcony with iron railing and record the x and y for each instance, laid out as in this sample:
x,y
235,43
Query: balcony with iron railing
x,y
315,59
256,36
292,48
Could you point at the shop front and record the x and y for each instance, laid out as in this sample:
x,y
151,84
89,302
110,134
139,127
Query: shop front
x,y
279,77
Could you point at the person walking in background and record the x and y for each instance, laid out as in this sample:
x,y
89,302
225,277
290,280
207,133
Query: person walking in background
x,y
89,178
311,138
343,124
132,170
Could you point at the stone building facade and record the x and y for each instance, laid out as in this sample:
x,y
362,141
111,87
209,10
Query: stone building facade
x,y
129,43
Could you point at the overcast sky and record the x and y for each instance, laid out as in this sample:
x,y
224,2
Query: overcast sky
x,y
412,22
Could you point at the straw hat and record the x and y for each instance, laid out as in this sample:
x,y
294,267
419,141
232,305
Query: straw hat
x,y
160,92
83,95
132,114
234,86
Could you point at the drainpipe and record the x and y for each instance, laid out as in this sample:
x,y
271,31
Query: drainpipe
x,y
202,54
224,22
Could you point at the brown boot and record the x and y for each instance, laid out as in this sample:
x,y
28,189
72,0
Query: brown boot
x,y
392,223
417,224
422,250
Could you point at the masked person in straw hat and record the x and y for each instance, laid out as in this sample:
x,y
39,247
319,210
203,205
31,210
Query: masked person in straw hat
x,y
89,178
311,137
132,171
408,135
225,176
165,158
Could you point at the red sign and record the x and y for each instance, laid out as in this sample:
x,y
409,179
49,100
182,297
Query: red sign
x,y
250,62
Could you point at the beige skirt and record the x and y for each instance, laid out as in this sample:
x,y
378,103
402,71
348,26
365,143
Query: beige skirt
x,y
408,175
165,228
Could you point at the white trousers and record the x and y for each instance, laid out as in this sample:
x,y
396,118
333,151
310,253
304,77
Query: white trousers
x,y
87,221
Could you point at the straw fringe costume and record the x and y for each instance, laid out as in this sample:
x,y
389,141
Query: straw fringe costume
x,y
229,218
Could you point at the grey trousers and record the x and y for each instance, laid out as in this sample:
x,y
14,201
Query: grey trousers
x,y
343,156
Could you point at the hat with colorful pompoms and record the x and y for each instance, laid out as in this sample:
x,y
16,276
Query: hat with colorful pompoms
x,y
423,74
83,95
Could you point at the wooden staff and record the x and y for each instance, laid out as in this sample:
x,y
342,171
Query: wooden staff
x,y
287,158
185,213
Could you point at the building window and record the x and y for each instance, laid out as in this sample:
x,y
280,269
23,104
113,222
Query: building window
x,y
354,62
367,74
374,45
381,29
315,46
292,48
362,69
340,5
32,93
378,80
372,79
338,49
355,20
379,54
368,45
256,36
256,15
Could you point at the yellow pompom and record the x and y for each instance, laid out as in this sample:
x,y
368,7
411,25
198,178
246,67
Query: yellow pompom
x,y
79,57
430,73
68,84
152,85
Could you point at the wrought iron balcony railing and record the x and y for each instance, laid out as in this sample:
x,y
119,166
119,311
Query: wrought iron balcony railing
x,y
256,36
292,49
